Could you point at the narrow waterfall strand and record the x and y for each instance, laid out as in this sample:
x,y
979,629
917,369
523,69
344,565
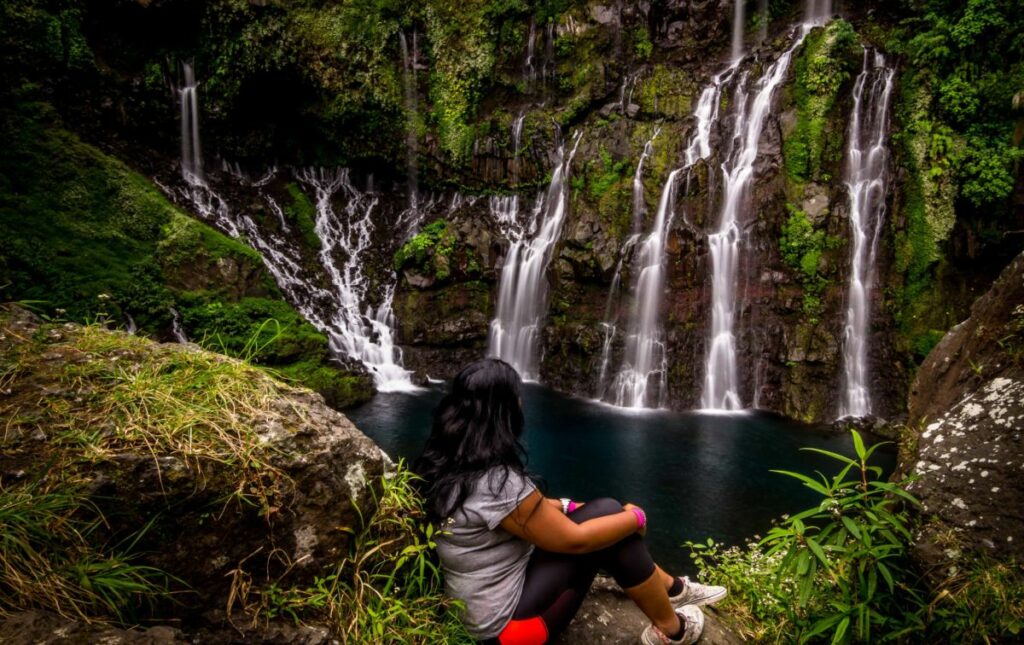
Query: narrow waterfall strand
x,y
522,294
411,141
645,358
817,12
609,324
737,29
721,382
866,180
367,335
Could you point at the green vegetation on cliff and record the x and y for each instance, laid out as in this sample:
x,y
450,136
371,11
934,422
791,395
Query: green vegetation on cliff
x,y
429,252
959,136
825,63
802,248
85,237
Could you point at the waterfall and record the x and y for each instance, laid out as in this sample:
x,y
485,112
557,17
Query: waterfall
x,y
522,293
611,317
176,330
721,384
609,324
737,29
645,358
365,336
191,151
626,91
866,180
411,143
517,136
362,335
529,71
765,18
818,12
639,205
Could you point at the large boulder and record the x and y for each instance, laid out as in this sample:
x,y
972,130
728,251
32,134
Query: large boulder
x,y
968,404
240,479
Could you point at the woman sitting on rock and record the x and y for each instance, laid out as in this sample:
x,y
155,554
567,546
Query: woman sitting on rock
x,y
522,563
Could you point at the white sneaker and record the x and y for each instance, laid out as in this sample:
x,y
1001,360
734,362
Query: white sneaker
x,y
694,593
693,621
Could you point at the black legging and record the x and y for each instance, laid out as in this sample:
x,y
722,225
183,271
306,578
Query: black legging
x,y
556,583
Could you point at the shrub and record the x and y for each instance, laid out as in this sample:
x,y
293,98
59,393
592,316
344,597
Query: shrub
x,y
836,568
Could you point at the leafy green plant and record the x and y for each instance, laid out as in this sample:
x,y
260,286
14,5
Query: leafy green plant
x,y
429,251
854,542
837,569
802,248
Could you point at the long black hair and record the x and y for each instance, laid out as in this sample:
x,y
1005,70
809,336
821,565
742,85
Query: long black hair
x,y
477,428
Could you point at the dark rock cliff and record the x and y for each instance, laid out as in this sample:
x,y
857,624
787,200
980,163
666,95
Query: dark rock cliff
x,y
293,87
967,407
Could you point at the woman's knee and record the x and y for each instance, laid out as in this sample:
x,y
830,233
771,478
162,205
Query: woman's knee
x,y
600,507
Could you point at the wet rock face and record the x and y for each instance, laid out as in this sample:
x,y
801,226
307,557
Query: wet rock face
x,y
968,401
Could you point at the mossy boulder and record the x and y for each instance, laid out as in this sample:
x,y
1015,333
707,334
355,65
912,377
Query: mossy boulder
x,y
237,478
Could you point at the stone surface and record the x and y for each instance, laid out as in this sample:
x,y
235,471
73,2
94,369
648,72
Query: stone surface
x,y
42,628
608,616
968,405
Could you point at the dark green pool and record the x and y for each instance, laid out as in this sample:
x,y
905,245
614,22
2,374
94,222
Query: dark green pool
x,y
696,475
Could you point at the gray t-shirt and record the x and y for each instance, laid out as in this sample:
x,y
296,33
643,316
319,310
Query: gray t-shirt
x,y
484,565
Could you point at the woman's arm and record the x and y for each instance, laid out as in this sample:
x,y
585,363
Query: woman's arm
x,y
544,525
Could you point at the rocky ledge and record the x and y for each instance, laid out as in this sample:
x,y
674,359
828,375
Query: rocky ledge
x,y
968,402
221,476
608,617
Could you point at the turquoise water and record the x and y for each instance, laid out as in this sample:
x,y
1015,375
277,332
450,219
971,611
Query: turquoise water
x,y
696,475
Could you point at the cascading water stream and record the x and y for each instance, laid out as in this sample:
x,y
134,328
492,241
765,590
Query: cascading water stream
x,y
817,12
645,358
721,383
176,330
191,152
738,18
763,19
867,176
611,318
364,337
529,71
517,139
411,142
522,294
639,204
609,325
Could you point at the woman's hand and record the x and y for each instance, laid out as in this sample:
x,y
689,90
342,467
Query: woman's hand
x,y
544,525
642,530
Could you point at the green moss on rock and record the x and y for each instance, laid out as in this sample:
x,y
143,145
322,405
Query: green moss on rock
x,y
824,64
667,91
